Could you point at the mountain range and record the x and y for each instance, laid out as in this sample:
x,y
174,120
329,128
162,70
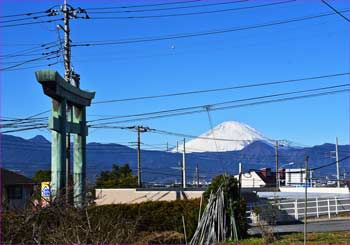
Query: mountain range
x,y
213,157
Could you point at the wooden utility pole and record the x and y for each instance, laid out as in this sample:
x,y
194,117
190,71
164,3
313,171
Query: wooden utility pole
x,y
337,161
276,162
184,164
305,201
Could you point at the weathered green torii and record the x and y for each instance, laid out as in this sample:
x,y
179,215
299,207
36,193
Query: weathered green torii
x,y
63,94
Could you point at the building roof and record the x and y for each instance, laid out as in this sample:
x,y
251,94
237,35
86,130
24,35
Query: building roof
x,y
12,178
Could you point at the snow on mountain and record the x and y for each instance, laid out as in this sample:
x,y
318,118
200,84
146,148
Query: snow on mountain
x,y
230,136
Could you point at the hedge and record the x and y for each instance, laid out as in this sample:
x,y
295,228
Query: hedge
x,y
152,216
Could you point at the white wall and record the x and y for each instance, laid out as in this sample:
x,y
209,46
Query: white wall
x,y
294,176
114,196
251,179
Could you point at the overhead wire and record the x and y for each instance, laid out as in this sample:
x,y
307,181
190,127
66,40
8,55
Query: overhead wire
x,y
212,106
31,23
144,5
44,46
26,18
169,8
204,33
44,57
335,10
252,85
191,13
24,14
225,107
31,67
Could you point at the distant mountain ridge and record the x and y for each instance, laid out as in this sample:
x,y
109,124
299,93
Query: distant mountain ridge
x,y
28,156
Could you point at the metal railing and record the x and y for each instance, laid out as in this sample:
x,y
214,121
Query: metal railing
x,y
316,207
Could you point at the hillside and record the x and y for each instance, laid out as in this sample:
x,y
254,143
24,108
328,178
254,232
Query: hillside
x,y
28,156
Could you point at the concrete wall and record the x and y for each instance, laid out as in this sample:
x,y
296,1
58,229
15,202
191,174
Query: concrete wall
x,y
114,196
335,190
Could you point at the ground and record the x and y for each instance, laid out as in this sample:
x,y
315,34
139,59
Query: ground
x,y
298,238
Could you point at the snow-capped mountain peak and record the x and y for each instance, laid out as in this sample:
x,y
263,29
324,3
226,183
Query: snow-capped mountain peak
x,y
230,136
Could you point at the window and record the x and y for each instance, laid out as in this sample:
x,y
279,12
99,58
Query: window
x,y
14,192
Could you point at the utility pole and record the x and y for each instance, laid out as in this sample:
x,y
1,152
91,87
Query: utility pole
x,y
197,175
140,129
184,164
240,178
139,183
305,201
337,161
276,162
67,73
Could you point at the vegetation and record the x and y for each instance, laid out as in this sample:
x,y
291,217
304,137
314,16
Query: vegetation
x,y
298,238
148,222
234,204
42,176
119,177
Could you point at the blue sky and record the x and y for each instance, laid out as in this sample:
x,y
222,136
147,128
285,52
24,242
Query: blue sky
x,y
301,49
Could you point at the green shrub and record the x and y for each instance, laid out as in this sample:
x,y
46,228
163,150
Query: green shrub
x,y
152,216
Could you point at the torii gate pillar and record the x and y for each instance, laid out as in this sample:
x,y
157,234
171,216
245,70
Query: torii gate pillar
x,y
63,94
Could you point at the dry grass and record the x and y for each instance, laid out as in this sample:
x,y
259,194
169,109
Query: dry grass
x,y
298,238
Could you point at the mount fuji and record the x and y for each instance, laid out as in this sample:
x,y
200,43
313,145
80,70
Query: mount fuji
x,y
227,136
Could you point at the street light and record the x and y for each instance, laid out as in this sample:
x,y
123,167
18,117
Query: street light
x,y
279,179
290,163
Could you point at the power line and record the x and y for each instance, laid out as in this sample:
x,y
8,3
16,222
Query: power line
x,y
23,129
196,34
221,103
168,8
335,10
31,23
227,107
192,13
145,5
25,14
45,57
44,46
222,89
329,164
31,67
26,18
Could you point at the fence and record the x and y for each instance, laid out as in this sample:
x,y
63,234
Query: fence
x,y
289,210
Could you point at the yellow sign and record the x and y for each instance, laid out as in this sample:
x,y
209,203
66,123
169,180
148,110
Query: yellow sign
x,y
45,190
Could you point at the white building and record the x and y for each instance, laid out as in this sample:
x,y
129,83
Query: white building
x,y
295,177
251,180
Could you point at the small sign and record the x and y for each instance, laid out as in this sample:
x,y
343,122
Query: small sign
x,y
45,190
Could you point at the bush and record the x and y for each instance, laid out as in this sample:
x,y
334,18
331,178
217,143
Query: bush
x,y
233,201
153,216
118,223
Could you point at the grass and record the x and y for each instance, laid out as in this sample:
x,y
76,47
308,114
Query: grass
x,y
298,238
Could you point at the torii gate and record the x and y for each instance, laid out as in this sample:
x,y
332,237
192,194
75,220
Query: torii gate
x,y
63,94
